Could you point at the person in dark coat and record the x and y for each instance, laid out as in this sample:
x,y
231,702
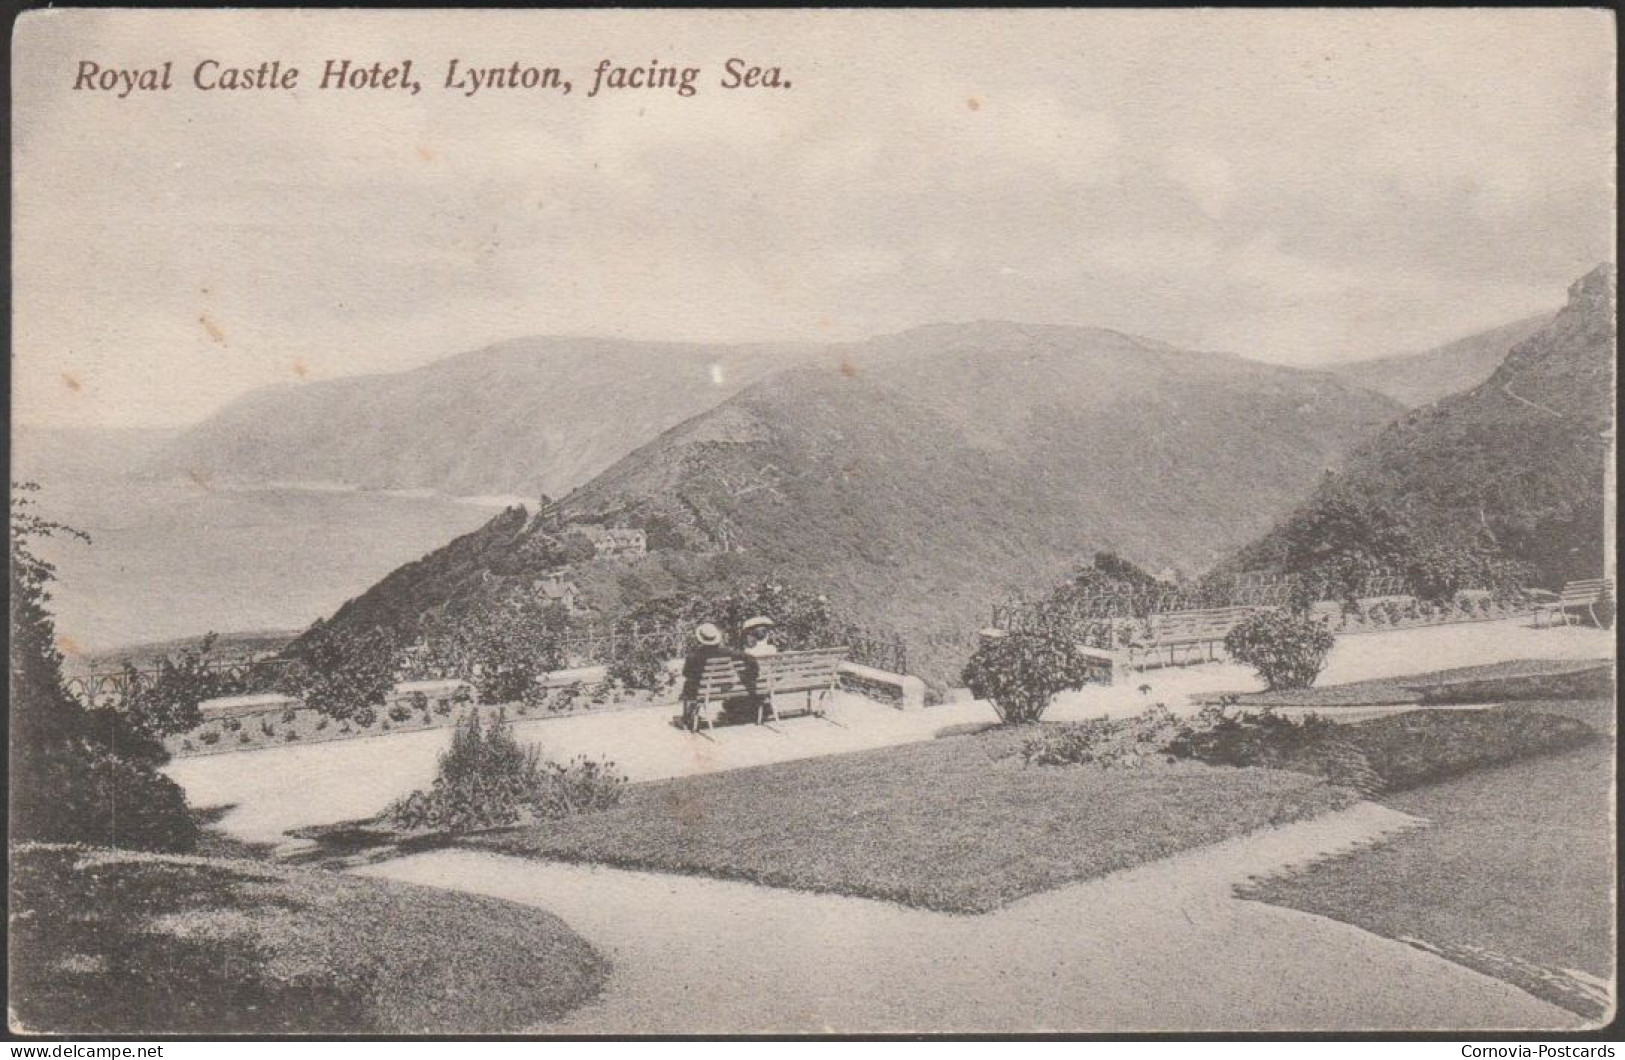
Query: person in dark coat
x,y
709,646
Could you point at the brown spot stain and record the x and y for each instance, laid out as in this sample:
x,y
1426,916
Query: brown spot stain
x,y
215,331
67,645
426,153
300,369
72,382
973,103
198,478
849,367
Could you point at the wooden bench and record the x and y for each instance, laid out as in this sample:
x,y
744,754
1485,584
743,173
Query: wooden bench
x,y
1195,633
1580,595
814,673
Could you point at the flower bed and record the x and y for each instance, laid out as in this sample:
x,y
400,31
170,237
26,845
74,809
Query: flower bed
x,y
1407,612
281,726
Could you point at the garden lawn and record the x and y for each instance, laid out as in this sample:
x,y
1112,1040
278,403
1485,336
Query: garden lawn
x,y
116,942
1514,876
957,824
1522,679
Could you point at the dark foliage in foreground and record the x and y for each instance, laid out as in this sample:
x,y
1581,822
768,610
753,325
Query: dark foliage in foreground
x,y
105,942
76,775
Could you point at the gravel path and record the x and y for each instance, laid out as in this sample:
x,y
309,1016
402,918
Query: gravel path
x,y
1160,947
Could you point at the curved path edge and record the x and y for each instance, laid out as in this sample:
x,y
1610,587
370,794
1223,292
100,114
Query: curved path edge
x,y
1164,946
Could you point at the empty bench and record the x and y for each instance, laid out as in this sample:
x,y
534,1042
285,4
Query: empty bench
x,y
1583,595
1189,636
814,674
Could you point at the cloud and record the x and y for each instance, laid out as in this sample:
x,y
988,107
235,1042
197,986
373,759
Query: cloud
x,y
1302,186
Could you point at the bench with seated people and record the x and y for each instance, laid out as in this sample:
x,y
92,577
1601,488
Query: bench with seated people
x,y
1583,595
813,673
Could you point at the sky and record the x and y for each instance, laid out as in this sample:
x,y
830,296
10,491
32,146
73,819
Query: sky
x,y
1304,187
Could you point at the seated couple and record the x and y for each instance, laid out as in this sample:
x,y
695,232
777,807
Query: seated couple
x,y
757,634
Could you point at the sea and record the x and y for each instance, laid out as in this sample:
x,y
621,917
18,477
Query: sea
x,y
176,559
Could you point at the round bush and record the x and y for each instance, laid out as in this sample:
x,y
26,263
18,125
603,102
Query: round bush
x,y
1021,672
1288,650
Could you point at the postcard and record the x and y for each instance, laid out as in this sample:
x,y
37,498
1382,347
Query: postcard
x,y
822,521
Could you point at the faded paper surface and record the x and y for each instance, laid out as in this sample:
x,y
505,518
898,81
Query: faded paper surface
x,y
926,320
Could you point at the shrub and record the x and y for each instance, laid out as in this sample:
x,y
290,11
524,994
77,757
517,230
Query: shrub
x,y
210,737
290,736
1020,673
289,715
1128,742
642,665
498,643
1437,570
1287,650
322,723
167,704
1266,739
231,724
582,785
442,707
133,808
554,700
266,728
1385,754
487,780
243,737
343,673
399,712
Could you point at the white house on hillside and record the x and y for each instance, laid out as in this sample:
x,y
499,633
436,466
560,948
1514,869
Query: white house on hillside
x,y
615,540
558,591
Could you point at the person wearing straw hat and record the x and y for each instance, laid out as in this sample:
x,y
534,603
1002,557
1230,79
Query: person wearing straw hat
x,y
708,645
757,633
